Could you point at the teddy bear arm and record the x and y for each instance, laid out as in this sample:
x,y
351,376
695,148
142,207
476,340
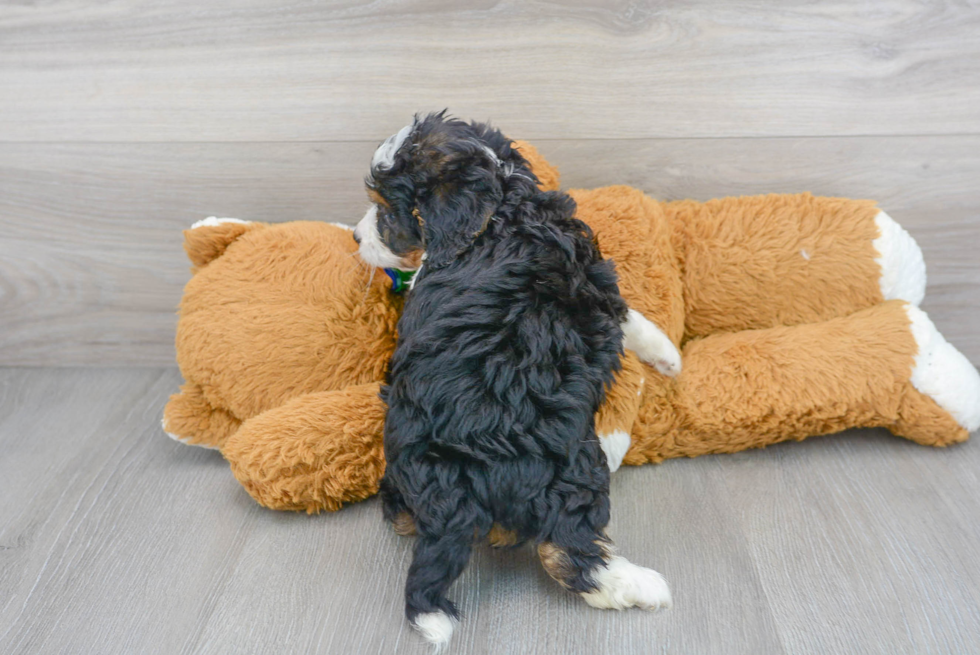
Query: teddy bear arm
x,y
315,452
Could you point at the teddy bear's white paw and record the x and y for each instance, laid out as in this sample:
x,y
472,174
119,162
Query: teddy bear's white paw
x,y
650,344
943,373
213,221
903,270
615,444
623,584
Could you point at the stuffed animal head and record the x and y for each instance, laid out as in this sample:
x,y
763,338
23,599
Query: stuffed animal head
x,y
273,312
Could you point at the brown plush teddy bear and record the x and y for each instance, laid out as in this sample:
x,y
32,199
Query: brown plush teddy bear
x,y
795,316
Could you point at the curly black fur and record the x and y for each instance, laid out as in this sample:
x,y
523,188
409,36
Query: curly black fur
x,y
505,348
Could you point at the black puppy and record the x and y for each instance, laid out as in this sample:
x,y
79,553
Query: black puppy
x,y
508,339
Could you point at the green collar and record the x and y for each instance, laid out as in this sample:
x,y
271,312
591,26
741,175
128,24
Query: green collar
x,y
399,279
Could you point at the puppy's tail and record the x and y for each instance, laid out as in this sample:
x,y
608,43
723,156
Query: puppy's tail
x,y
438,561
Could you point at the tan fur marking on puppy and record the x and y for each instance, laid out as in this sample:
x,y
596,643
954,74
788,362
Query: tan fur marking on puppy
x,y
404,524
500,537
556,563
377,198
413,260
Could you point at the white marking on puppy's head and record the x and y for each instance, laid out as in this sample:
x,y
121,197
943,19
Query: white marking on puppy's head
x,y
490,153
384,156
507,168
371,248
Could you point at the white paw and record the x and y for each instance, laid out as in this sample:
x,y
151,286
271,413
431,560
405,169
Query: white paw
x,y
903,270
615,444
435,627
213,221
650,344
623,584
943,373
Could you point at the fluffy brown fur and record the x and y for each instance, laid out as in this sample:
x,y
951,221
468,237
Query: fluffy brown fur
x,y
283,339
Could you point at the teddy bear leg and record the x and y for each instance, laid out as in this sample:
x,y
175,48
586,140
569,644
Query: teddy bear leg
x,y
902,268
760,261
189,418
885,366
944,384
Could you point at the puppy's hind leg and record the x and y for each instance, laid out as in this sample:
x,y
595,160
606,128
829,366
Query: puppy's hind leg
x,y
579,556
394,508
446,531
437,563
607,581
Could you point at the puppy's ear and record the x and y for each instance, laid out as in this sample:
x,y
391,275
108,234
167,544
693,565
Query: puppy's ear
x,y
451,225
457,209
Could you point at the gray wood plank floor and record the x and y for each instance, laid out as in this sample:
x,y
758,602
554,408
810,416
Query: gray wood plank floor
x,y
114,539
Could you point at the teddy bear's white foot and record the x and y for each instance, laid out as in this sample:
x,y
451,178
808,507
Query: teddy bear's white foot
x,y
650,344
903,270
943,373
622,584
615,444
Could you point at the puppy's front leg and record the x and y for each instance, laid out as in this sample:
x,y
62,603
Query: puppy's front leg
x,y
650,344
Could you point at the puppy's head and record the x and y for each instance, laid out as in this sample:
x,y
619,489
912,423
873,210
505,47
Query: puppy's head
x,y
434,187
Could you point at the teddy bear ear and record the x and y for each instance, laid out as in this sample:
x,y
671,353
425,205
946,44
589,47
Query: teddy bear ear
x,y
548,176
207,240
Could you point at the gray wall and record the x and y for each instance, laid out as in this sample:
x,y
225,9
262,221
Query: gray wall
x,y
123,123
